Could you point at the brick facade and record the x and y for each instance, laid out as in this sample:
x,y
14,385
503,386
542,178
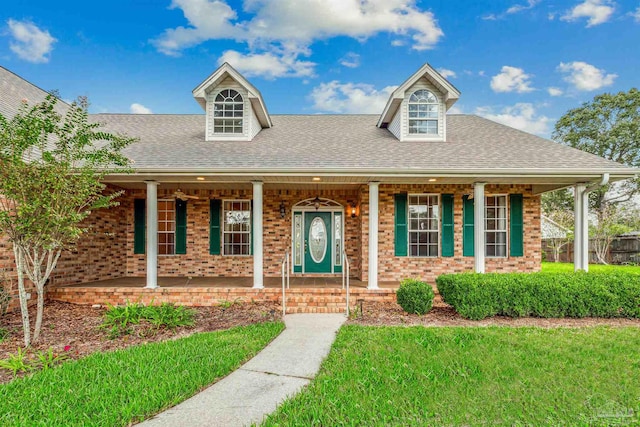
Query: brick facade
x,y
106,251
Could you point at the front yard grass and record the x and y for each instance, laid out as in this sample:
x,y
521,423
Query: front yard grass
x,y
564,267
473,376
124,386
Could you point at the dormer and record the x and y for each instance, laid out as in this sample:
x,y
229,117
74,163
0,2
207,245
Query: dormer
x,y
234,108
417,109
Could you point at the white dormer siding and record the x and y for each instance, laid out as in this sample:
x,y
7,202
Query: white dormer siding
x,y
250,124
399,126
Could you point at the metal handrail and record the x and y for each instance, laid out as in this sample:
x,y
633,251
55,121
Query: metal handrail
x,y
345,275
285,275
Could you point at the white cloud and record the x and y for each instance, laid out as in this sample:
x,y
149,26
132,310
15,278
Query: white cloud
x,y
350,60
136,108
636,14
291,26
521,116
596,11
555,91
268,65
455,110
585,77
516,8
511,79
356,98
30,42
447,73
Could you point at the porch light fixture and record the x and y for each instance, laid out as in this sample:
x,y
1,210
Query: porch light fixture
x,y
353,210
316,178
316,203
283,210
432,180
200,178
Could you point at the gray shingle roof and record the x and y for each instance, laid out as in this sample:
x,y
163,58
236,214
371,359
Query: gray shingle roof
x,y
317,143
337,142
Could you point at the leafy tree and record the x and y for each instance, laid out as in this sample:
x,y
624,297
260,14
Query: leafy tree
x,y
608,126
51,170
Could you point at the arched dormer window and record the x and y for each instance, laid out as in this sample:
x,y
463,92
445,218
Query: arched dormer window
x,y
228,111
423,113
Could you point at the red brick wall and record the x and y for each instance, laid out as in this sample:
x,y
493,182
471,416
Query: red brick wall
x,y
106,251
277,233
392,268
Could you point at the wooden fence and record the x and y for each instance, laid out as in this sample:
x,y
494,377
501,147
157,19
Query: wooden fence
x,y
623,250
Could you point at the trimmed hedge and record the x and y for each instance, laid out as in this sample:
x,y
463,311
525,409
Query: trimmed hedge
x,y
477,296
415,296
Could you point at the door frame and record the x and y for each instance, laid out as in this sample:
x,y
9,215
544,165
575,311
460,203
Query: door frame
x,y
307,205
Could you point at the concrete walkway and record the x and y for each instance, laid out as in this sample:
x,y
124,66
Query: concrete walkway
x,y
280,370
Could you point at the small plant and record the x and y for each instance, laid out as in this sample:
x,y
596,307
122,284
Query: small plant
x,y
5,287
17,362
48,359
226,304
168,315
4,333
415,296
120,320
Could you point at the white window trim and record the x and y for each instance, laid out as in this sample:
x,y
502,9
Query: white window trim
x,y
167,232
223,223
439,240
506,222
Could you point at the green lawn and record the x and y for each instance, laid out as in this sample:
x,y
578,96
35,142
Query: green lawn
x,y
473,377
121,387
563,267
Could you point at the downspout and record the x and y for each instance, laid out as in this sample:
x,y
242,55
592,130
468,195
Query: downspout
x,y
584,220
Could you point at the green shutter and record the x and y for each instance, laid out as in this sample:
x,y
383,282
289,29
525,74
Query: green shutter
x,y
139,226
214,226
467,227
400,230
181,227
447,225
516,243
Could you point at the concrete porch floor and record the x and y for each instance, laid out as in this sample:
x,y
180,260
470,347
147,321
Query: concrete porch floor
x,y
230,282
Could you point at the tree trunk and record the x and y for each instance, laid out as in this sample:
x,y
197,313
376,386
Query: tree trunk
x,y
40,278
24,308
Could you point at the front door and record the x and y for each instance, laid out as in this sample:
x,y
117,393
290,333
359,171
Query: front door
x,y
317,242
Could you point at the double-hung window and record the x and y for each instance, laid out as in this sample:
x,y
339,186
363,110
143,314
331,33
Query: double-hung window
x,y
166,227
237,227
228,110
496,226
423,113
424,225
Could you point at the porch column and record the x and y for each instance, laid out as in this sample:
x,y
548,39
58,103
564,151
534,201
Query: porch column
x,y
152,235
373,235
581,229
478,226
258,273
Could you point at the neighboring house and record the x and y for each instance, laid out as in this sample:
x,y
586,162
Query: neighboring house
x,y
412,192
553,230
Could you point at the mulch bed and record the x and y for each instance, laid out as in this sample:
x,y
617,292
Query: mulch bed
x,y
382,314
77,327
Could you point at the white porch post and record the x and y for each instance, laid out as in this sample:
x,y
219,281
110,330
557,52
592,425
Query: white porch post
x,y
585,231
152,235
373,235
577,227
258,273
478,226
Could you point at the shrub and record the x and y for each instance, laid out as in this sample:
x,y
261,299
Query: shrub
x,y
476,296
121,320
415,296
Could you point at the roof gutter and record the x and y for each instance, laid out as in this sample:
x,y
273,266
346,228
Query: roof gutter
x,y
603,181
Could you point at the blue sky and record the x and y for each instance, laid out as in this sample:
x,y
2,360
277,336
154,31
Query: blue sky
x,y
520,62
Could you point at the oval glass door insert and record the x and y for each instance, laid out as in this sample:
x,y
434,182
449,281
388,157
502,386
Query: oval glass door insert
x,y
317,239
